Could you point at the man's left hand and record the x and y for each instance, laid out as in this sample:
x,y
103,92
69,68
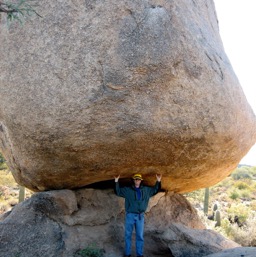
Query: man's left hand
x,y
158,177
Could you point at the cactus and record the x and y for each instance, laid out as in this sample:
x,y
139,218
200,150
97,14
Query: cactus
x,y
217,218
215,207
21,194
206,200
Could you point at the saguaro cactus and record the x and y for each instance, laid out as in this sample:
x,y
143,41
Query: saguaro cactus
x,y
21,194
206,200
217,217
215,207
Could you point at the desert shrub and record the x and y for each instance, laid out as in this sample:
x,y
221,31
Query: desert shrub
x,y
2,160
253,171
234,194
226,228
4,207
253,205
90,251
6,178
246,194
253,186
195,196
245,235
224,184
3,165
239,210
242,173
241,185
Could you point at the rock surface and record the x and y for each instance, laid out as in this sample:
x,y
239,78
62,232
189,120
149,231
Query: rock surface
x,y
236,252
97,88
58,223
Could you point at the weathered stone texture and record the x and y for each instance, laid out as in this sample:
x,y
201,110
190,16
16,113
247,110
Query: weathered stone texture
x,y
97,88
58,223
236,252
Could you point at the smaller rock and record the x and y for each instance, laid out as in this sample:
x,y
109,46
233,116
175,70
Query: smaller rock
x,y
59,223
236,252
197,242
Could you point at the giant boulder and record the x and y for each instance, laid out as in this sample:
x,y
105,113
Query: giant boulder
x,y
97,88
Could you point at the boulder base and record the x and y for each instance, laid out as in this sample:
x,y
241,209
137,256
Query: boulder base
x,y
59,223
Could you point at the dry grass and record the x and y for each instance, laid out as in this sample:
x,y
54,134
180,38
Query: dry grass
x,y
9,191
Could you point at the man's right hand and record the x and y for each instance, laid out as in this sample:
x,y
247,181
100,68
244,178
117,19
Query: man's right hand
x,y
116,178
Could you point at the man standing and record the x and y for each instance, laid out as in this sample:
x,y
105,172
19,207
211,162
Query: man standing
x,y
136,202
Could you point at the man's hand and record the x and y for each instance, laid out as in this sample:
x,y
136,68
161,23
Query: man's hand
x,y
159,177
116,178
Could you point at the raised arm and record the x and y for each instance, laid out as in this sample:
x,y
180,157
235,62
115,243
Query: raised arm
x,y
157,187
118,190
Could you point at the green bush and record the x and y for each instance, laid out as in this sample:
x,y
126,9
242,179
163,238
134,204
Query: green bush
x,y
3,165
239,210
242,173
241,185
253,171
246,194
90,251
234,194
245,235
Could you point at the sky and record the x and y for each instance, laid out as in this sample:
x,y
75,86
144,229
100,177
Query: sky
x,y
237,22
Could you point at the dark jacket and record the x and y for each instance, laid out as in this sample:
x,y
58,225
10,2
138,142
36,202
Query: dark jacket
x,y
132,204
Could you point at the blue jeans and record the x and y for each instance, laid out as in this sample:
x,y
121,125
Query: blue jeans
x,y
134,220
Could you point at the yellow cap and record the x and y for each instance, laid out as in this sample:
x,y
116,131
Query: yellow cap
x,y
137,176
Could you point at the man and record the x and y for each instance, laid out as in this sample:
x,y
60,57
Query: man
x,y
136,202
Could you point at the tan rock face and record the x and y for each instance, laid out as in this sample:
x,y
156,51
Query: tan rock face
x,y
99,88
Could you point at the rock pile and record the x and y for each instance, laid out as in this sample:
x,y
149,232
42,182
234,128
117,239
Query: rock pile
x,y
58,223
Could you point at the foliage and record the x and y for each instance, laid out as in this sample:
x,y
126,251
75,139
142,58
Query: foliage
x,y
90,251
3,165
6,179
245,235
235,198
18,10
240,210
241,185
2,160
253,205
9,191
243,172
234,194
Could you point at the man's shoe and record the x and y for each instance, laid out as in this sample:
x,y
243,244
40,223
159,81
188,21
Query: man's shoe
x,y
127,256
